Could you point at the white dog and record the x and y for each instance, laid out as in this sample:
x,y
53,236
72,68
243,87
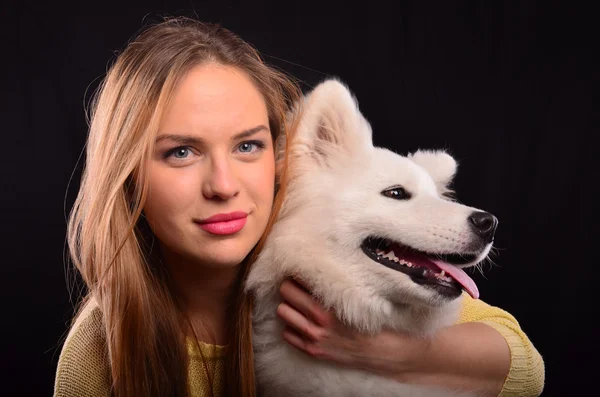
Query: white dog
x,y
374,236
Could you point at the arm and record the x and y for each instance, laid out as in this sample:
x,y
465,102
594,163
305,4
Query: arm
x,y
526,376
471,355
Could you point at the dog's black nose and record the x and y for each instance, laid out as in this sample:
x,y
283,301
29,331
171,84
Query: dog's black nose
x,y
484,224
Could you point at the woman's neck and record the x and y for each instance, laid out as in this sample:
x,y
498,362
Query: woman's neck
x,y
205,293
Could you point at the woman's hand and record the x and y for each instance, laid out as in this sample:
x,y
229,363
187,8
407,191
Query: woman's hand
x,y
470,356
320,334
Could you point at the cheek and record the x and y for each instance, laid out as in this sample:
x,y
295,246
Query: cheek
x,y
262,181
169,195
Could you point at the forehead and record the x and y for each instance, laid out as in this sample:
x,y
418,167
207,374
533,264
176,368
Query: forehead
x,y
214,100
395,169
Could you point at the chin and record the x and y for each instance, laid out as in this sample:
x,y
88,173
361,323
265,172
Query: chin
x,y
224,254
226,263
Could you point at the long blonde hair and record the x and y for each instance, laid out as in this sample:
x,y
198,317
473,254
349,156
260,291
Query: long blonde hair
x,y
109,241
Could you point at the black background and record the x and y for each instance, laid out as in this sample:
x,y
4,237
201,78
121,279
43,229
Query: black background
x,y
506,87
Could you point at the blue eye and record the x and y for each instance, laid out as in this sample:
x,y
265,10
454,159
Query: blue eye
x,y
246,147
251,146
179,153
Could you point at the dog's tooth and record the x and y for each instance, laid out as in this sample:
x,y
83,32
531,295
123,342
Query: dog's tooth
x,y
396,260
442,273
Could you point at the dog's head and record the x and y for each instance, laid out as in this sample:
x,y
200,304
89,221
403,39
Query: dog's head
x,y
362,218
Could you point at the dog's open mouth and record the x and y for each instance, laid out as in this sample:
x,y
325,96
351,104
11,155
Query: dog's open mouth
x,y
435,271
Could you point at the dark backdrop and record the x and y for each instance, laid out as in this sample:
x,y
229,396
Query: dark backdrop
x,y
506,87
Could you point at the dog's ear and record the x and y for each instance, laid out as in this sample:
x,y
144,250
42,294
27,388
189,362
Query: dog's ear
x,y
330,121
439,164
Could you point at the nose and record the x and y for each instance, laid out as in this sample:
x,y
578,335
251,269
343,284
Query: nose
x,y
220,181
484,225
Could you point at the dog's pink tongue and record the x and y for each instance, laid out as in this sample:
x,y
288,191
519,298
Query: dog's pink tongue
x,y
435,264
459,275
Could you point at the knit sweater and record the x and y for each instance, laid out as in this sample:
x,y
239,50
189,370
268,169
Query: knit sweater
x,y
83,367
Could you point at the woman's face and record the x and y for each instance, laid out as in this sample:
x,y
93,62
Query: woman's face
x,y
213,159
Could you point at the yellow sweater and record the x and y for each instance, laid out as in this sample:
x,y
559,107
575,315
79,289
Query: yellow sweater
x,y
83,368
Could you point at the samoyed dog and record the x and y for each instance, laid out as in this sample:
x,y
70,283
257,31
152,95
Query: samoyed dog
x,y
373,235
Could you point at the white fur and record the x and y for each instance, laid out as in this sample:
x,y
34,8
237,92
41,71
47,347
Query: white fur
x,y
333,203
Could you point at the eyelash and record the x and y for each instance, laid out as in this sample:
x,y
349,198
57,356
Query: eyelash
x,y
259,144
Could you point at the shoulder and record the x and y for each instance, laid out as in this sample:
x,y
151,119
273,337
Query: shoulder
x,y
83,367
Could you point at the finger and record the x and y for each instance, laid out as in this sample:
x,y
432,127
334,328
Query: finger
x,y
294,339
298,321
301,284
304,302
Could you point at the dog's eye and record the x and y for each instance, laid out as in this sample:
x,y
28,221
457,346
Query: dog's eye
x,y
397,193
449,195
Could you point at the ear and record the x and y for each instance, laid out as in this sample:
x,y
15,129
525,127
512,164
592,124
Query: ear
x,y
330,122
439,164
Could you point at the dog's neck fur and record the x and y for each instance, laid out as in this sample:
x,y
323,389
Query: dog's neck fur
x,y
369,314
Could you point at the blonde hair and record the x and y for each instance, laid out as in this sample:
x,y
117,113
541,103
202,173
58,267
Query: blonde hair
x,y
109,242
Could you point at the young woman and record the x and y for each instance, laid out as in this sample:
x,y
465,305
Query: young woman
x,y
178,191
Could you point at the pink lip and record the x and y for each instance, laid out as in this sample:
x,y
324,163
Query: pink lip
x,y
224,223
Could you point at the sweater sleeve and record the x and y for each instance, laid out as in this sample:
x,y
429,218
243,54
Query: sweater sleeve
x,y
526,376
83,368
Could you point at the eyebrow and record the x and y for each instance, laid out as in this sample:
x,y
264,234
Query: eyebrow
x,y
193,140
